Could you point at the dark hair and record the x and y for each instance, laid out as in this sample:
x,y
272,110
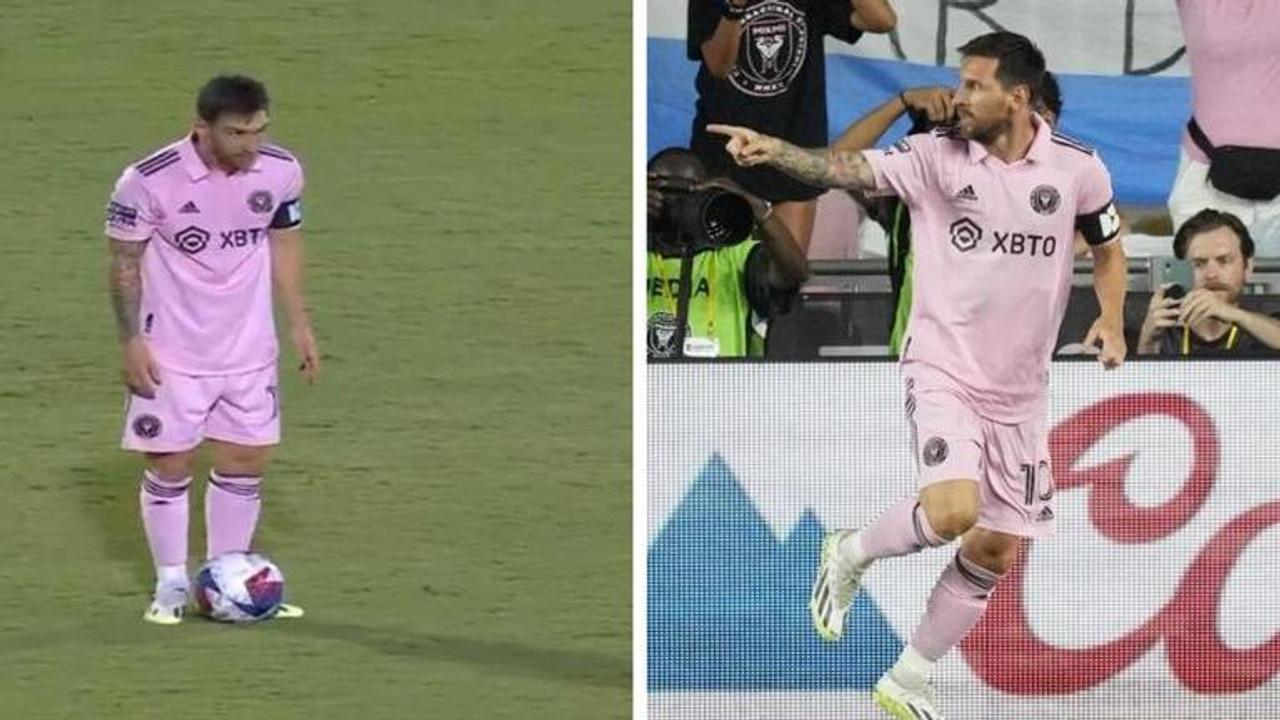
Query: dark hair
x,y
1020,62
231,94
1208,220
1051,95
678,155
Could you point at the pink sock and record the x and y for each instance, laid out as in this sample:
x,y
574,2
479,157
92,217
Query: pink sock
x,y
231,505
957,601
901,529
164,517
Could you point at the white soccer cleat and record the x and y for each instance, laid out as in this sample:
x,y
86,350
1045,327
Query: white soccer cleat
x,y
834,588
168,607
289,612
906,700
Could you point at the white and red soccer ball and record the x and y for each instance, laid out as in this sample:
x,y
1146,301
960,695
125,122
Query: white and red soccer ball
x,y
239,588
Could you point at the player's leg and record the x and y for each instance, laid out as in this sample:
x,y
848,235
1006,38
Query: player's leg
x,y
233,497
1016,502
243,430
166,431
163,498
946,441
957,602
947,445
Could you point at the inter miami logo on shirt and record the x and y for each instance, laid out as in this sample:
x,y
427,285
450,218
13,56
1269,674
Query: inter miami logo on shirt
x,y
191,239
775,39
965,234
146,426
935,451
662,335
1045,199
261,202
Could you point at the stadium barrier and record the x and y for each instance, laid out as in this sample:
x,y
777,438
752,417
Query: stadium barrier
x,y
1155,599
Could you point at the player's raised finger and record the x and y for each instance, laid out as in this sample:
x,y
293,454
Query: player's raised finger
x,y
730,130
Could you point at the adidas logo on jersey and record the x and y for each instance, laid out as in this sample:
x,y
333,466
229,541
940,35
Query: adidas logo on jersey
x,y
189,208
967,193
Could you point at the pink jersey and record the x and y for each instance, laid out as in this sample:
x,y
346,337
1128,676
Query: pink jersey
x,y
993,260
1234,50
206,274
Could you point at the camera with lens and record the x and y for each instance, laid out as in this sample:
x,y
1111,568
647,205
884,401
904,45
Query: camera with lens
x,y
707,216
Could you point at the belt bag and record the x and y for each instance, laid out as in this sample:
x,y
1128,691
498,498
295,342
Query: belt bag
x,y
1249,173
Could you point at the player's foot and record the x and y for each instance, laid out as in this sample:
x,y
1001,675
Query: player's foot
x,y
289,612
906,699
168,607
834,588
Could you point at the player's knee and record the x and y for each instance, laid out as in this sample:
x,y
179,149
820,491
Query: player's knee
x,y
171,466
240,459
994,555
951,508
950,523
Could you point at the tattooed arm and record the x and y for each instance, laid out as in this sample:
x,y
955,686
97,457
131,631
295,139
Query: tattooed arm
x,y
821,167
826,168
139,372
125,282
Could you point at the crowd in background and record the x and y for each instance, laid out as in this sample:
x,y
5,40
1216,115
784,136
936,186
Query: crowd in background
x,y
761,65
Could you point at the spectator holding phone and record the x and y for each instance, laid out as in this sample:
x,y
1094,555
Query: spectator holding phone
x,y
1209,320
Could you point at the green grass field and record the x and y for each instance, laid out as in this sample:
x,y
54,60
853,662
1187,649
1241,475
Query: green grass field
x,y
452,503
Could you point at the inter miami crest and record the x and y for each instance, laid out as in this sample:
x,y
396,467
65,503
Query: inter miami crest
x,y
1045,199
662,335
775,40
935,451
146,426
261,201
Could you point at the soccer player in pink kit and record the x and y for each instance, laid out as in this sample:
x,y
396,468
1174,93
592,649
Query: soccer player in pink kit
x,y
198,232
995,204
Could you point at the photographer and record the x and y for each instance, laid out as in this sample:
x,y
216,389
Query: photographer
x,y
706,274
1209,320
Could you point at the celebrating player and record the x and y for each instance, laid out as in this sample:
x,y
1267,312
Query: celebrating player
x,y
995,204
198,231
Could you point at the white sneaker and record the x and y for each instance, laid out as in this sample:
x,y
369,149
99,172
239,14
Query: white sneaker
x,y
289,612
834,588
906,700
168,607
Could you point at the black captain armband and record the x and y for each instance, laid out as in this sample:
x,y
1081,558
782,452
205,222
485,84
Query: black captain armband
x,y
288,215
1101,225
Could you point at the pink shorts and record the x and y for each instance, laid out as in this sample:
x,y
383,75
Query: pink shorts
x,y
1010,462
187,409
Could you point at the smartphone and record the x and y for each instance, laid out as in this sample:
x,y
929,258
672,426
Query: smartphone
x,y
1179,272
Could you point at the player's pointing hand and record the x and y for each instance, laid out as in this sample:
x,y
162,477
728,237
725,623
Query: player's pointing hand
x,y
746,146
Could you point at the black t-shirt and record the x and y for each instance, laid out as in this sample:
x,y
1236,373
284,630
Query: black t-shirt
x,y
778,85
1178,341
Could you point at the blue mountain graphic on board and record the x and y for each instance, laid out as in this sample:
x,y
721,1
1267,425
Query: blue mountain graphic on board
x,y
728,602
